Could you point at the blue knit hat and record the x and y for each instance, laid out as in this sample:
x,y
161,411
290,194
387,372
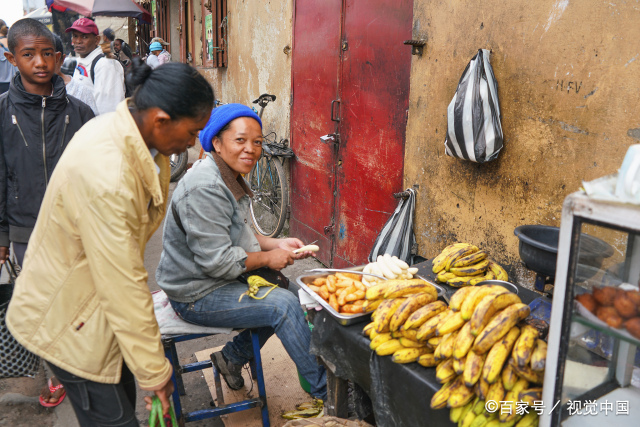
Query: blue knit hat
x,y
220,116
155,46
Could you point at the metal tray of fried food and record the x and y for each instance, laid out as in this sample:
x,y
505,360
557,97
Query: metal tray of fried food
x,y
341,318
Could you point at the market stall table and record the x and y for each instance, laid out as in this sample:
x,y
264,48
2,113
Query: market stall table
x,y
400,393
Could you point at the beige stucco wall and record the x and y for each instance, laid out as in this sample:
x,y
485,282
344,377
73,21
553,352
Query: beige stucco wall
x,y
259,31
569,89
118,25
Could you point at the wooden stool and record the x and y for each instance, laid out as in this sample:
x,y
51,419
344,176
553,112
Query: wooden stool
x,y
169,343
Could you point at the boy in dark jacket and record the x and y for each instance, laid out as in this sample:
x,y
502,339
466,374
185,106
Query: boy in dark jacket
x,y
37,120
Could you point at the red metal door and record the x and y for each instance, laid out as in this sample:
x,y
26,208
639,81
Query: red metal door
x,y
374,92
316,60
348,54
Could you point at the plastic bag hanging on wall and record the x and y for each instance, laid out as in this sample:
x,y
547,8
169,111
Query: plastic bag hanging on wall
x,y
474,130
397,237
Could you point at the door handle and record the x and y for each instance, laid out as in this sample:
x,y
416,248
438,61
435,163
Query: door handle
x,y
333,103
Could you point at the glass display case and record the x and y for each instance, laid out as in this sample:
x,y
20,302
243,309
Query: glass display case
x,y
592,375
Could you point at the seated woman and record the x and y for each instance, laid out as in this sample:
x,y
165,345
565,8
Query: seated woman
x,y
207,244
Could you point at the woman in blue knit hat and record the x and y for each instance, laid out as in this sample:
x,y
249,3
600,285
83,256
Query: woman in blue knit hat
x,y
154,50
208,244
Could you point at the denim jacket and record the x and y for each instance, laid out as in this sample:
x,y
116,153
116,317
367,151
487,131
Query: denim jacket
x,y
212,207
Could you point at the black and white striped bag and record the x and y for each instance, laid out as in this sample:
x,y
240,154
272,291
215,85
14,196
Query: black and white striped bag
x,y
397,237
474,131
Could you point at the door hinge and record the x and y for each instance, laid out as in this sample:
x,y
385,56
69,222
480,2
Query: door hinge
x,y
345,45
328,229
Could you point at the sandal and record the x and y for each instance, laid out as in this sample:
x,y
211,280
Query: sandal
x,y
53,389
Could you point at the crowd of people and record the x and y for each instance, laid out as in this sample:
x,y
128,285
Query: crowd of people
x,y
78,223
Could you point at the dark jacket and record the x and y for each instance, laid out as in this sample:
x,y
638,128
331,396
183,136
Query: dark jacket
x,y
34,131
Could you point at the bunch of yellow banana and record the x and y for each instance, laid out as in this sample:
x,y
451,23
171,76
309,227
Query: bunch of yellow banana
x,y
483,352
463,264
399,306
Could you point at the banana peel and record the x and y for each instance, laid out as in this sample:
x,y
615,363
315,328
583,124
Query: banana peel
x,y
313,409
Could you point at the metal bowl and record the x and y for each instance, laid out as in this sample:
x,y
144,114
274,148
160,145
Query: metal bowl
x,y
508,285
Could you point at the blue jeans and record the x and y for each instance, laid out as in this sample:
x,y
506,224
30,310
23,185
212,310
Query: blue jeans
x,y
279,312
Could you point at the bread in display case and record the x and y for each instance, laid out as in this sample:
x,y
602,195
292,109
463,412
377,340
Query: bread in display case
x,y
592,375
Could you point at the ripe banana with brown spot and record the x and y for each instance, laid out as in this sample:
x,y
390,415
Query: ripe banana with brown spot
x,y
459,297
377,291
387,348
508,407
460,281
472,368
444,276
438,350
458,365
459,395
488,275
457,254
444,371
408,355
463,342
370,305
482,388
452,324
428,329
488,307
509,377
379,339
446,350
385,311
496,391
440,397
470,304
499,326
530,395
539,356
428,360
471,270
500,272
410,334
434,342
396,334
497,356
440,261
404,310
526,343
534,377
366,331
408,343
422,314
408,287
472,259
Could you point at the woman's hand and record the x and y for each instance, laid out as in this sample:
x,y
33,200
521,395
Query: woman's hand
x,y
278,259
291,244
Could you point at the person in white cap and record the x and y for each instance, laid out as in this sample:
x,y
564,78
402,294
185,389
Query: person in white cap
x,y
103,75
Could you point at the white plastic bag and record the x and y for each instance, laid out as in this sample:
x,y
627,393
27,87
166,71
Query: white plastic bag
x,y
474,130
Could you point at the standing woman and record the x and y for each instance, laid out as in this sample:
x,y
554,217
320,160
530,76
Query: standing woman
x,y
82,302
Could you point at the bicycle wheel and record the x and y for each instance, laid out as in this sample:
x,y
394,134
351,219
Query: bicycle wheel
x,y
178,164
270,196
